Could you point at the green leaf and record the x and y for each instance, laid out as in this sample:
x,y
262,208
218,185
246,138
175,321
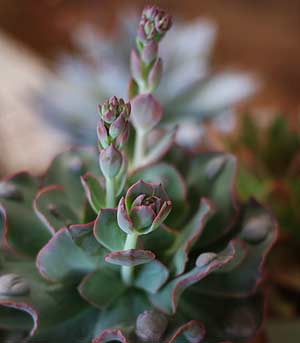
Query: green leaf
x,y
102,287
212,175
94,191
131,257
23,231
168,297
161,147
258,233
66,170
173,183
107,231
193,331
41,301
188,236
70,254
51,206
151,276
225,319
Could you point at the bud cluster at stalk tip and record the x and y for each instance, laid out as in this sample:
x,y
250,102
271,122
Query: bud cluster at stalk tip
x,y
146,66
113,126
153,25
112,133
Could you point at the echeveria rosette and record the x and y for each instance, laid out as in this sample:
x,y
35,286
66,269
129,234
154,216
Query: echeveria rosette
x,y
144,208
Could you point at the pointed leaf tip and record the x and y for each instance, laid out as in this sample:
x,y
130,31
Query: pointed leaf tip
x,y
131,257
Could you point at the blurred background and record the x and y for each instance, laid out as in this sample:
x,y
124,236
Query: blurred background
x,y
47,43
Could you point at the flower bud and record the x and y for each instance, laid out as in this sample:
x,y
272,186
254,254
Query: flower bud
x,y
117,127
149,52
113,124
110,160
151,325
146,112
102,134
155,75
136,66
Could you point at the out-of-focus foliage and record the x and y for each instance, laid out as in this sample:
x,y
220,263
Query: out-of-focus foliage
x,y
190,88
269,152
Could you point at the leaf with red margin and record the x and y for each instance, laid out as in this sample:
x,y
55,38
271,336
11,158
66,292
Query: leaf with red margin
x,y
41,303
123,312
23,231
131,257
172,182
102,287
168,297
188,237
244,278
66,169
52,207
151,276
225,319
70,254
94,191
161,147
107,230
212,175
109,336
191,332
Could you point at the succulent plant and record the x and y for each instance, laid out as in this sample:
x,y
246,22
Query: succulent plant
x,y
140,241
190,91
268,147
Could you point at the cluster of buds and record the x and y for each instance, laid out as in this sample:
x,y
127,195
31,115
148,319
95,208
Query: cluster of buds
x,y
146,67
153,25
112,133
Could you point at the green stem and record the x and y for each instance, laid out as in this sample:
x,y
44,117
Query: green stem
x,y
127,272
110,193
139,148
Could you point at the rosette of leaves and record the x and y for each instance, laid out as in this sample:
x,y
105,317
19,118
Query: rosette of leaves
x,y
108,247
269,170
190,88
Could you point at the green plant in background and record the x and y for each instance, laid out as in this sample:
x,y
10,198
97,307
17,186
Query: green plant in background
x,y
190,90
269,170
140,242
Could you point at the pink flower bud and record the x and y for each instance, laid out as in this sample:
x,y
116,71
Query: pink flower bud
x,y
149,52
110,160
102,134
136,66
146,112
117,127
155,74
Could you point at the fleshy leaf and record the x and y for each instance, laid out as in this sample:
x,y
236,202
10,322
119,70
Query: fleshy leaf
x,y
191,332
40,302
110,336
23,231
151,276
66,170
161,147
168,297
188,236
212,175
132,257
107,231
96,287
94,192
172,182
70,254
243,278
51,206
231,320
